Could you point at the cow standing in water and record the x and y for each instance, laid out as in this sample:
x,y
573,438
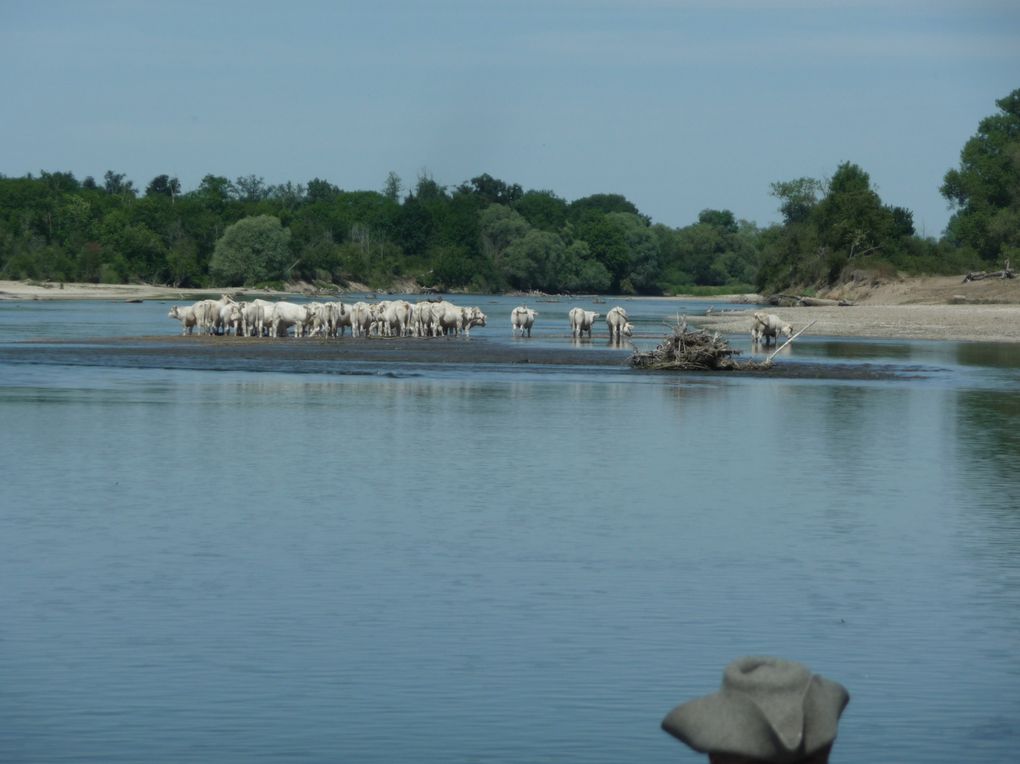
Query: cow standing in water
x,y
619,324
522,318
766,327
582,321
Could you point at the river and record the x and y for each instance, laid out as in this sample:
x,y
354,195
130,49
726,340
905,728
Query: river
x,y
484,563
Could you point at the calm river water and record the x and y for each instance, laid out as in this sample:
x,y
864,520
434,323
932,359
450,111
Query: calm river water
x,y
464,564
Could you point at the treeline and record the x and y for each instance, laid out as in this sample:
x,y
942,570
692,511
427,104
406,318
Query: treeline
x,y
490,235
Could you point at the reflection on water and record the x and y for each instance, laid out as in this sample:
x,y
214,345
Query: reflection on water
x,y
466,566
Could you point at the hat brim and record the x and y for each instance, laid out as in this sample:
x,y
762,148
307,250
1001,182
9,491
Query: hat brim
x,y
728,722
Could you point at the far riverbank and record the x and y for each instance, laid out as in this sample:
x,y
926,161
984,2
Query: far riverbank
x,y
931,308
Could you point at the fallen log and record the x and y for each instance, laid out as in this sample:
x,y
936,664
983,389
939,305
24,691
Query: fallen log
x,y
822,302
981,275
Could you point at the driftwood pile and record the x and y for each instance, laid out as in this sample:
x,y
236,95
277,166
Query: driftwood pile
x,y
687,350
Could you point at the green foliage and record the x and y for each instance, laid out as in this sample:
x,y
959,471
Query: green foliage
x,y
542,209
487,233
822,239
985,189
251,251
164,185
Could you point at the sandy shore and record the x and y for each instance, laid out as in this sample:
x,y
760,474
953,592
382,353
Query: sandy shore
x,y
928,308
978,323
940,308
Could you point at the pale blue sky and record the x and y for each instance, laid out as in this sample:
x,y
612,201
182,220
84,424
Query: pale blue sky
x,y
679,105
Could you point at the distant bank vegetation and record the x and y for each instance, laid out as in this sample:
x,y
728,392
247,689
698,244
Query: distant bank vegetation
x,y
489,235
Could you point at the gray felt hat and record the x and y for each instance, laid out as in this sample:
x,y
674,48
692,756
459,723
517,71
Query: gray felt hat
x,y
768,709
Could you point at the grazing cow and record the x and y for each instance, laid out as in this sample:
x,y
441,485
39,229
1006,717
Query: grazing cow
x,y
581,321
522,318
186,315
473,317
453,319
767,327
619,324
286,315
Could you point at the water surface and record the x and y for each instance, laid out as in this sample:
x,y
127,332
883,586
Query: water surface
x,y
496,564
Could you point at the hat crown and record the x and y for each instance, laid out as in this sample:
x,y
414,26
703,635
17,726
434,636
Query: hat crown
x,y
777,688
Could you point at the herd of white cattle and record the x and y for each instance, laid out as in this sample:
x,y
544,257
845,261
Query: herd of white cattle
x,y
400,318
387,318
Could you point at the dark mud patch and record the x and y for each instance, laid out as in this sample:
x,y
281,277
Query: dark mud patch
x,y
403,356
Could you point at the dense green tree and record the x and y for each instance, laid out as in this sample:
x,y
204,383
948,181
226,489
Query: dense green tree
x,y
252,250
499,227
721,220
115,184
798,198
319,190
215,192
534,261
492,190
542,209
164,185
250,188
985,189
601,204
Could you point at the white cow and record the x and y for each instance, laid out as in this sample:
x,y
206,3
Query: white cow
x,y
581,321
473,317
343,319
253,318
286,315
230,318
394,318
320,319
207,312
522,318
453,319
767,327
619,324
361,318
421,319
186,315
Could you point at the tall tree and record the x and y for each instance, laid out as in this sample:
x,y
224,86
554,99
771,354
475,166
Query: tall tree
x,y
985,189
164,185
251,250
115,184
392,187
250,188
319,190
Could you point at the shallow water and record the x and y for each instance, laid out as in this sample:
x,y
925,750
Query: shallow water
x,y
469,564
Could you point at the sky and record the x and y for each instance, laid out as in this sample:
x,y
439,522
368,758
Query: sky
x,y
679,105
